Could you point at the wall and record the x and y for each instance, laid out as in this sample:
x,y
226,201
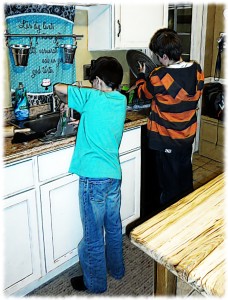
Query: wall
x,y
209,40
215,25
82,56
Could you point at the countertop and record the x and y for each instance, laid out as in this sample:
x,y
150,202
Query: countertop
x,y
16,152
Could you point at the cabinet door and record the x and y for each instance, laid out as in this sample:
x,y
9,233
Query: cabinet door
x,y
124,26
61,220
100,27
130,189
21,244
136,23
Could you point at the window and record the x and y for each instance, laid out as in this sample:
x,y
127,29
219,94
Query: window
x,y
180,20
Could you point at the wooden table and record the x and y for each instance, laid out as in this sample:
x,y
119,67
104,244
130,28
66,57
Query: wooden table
x,y
186,240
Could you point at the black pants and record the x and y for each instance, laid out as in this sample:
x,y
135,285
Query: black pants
x,y
174,175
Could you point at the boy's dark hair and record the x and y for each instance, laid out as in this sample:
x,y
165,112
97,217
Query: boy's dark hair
x,y
107,69
166,41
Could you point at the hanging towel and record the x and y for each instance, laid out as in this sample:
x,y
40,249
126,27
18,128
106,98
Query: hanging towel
x,y
45,58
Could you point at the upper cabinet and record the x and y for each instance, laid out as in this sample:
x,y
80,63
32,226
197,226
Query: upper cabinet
x,y
113,27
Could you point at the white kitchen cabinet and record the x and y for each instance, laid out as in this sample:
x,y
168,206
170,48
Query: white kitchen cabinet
x,y
124,26
54,164
61,220
14,177
136,23
130,189
130,159
60,203
131,140
42,225
21,241
100,29
60,207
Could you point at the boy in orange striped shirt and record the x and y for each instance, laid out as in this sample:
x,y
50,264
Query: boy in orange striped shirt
x,y
174,89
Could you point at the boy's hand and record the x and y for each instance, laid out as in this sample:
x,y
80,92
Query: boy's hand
x,y
74,122
63,107
133,87
142,67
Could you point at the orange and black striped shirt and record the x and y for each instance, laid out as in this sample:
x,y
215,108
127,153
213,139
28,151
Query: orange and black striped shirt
x,y
174,93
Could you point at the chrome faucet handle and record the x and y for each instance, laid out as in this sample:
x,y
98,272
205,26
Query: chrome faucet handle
x,y
53,104
71,113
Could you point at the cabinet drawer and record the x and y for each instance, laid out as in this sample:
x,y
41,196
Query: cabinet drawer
x,y
54,164
131,140
18,177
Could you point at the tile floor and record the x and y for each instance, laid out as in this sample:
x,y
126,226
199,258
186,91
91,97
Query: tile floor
x,y
204,169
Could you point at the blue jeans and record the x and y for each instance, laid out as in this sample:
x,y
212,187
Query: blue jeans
x,y
100,214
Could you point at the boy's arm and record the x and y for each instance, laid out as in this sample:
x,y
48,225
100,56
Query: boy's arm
x,y
60,89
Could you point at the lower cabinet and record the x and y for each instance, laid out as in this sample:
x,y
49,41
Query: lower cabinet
x,y
21,241
130,189
42,224
61,220
61,215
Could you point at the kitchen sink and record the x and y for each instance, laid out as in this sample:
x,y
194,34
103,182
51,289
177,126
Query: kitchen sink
x,y
43,123
47,127
40,124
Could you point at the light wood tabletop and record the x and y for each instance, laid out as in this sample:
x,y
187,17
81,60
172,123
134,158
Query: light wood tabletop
x,y
187,239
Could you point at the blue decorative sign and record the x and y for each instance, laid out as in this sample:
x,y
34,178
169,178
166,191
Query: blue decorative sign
x,y
46,54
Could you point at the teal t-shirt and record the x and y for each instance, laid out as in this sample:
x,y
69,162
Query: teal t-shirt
x,y
100,131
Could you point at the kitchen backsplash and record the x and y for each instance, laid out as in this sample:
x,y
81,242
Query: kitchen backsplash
x,y
8,113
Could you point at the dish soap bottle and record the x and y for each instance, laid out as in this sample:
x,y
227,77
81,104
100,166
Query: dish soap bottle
x,y
21,107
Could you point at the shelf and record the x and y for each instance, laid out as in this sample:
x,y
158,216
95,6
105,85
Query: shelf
x,y
74,36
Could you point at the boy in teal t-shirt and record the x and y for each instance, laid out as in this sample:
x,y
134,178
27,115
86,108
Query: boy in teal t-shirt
x,y
96,162
100,132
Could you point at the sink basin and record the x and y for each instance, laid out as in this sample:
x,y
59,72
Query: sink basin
x,y
44,123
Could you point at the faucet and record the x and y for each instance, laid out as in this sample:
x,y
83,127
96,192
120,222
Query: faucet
x,y
53,104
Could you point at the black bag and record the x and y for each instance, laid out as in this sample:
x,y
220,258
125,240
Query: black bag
x,y
213,100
